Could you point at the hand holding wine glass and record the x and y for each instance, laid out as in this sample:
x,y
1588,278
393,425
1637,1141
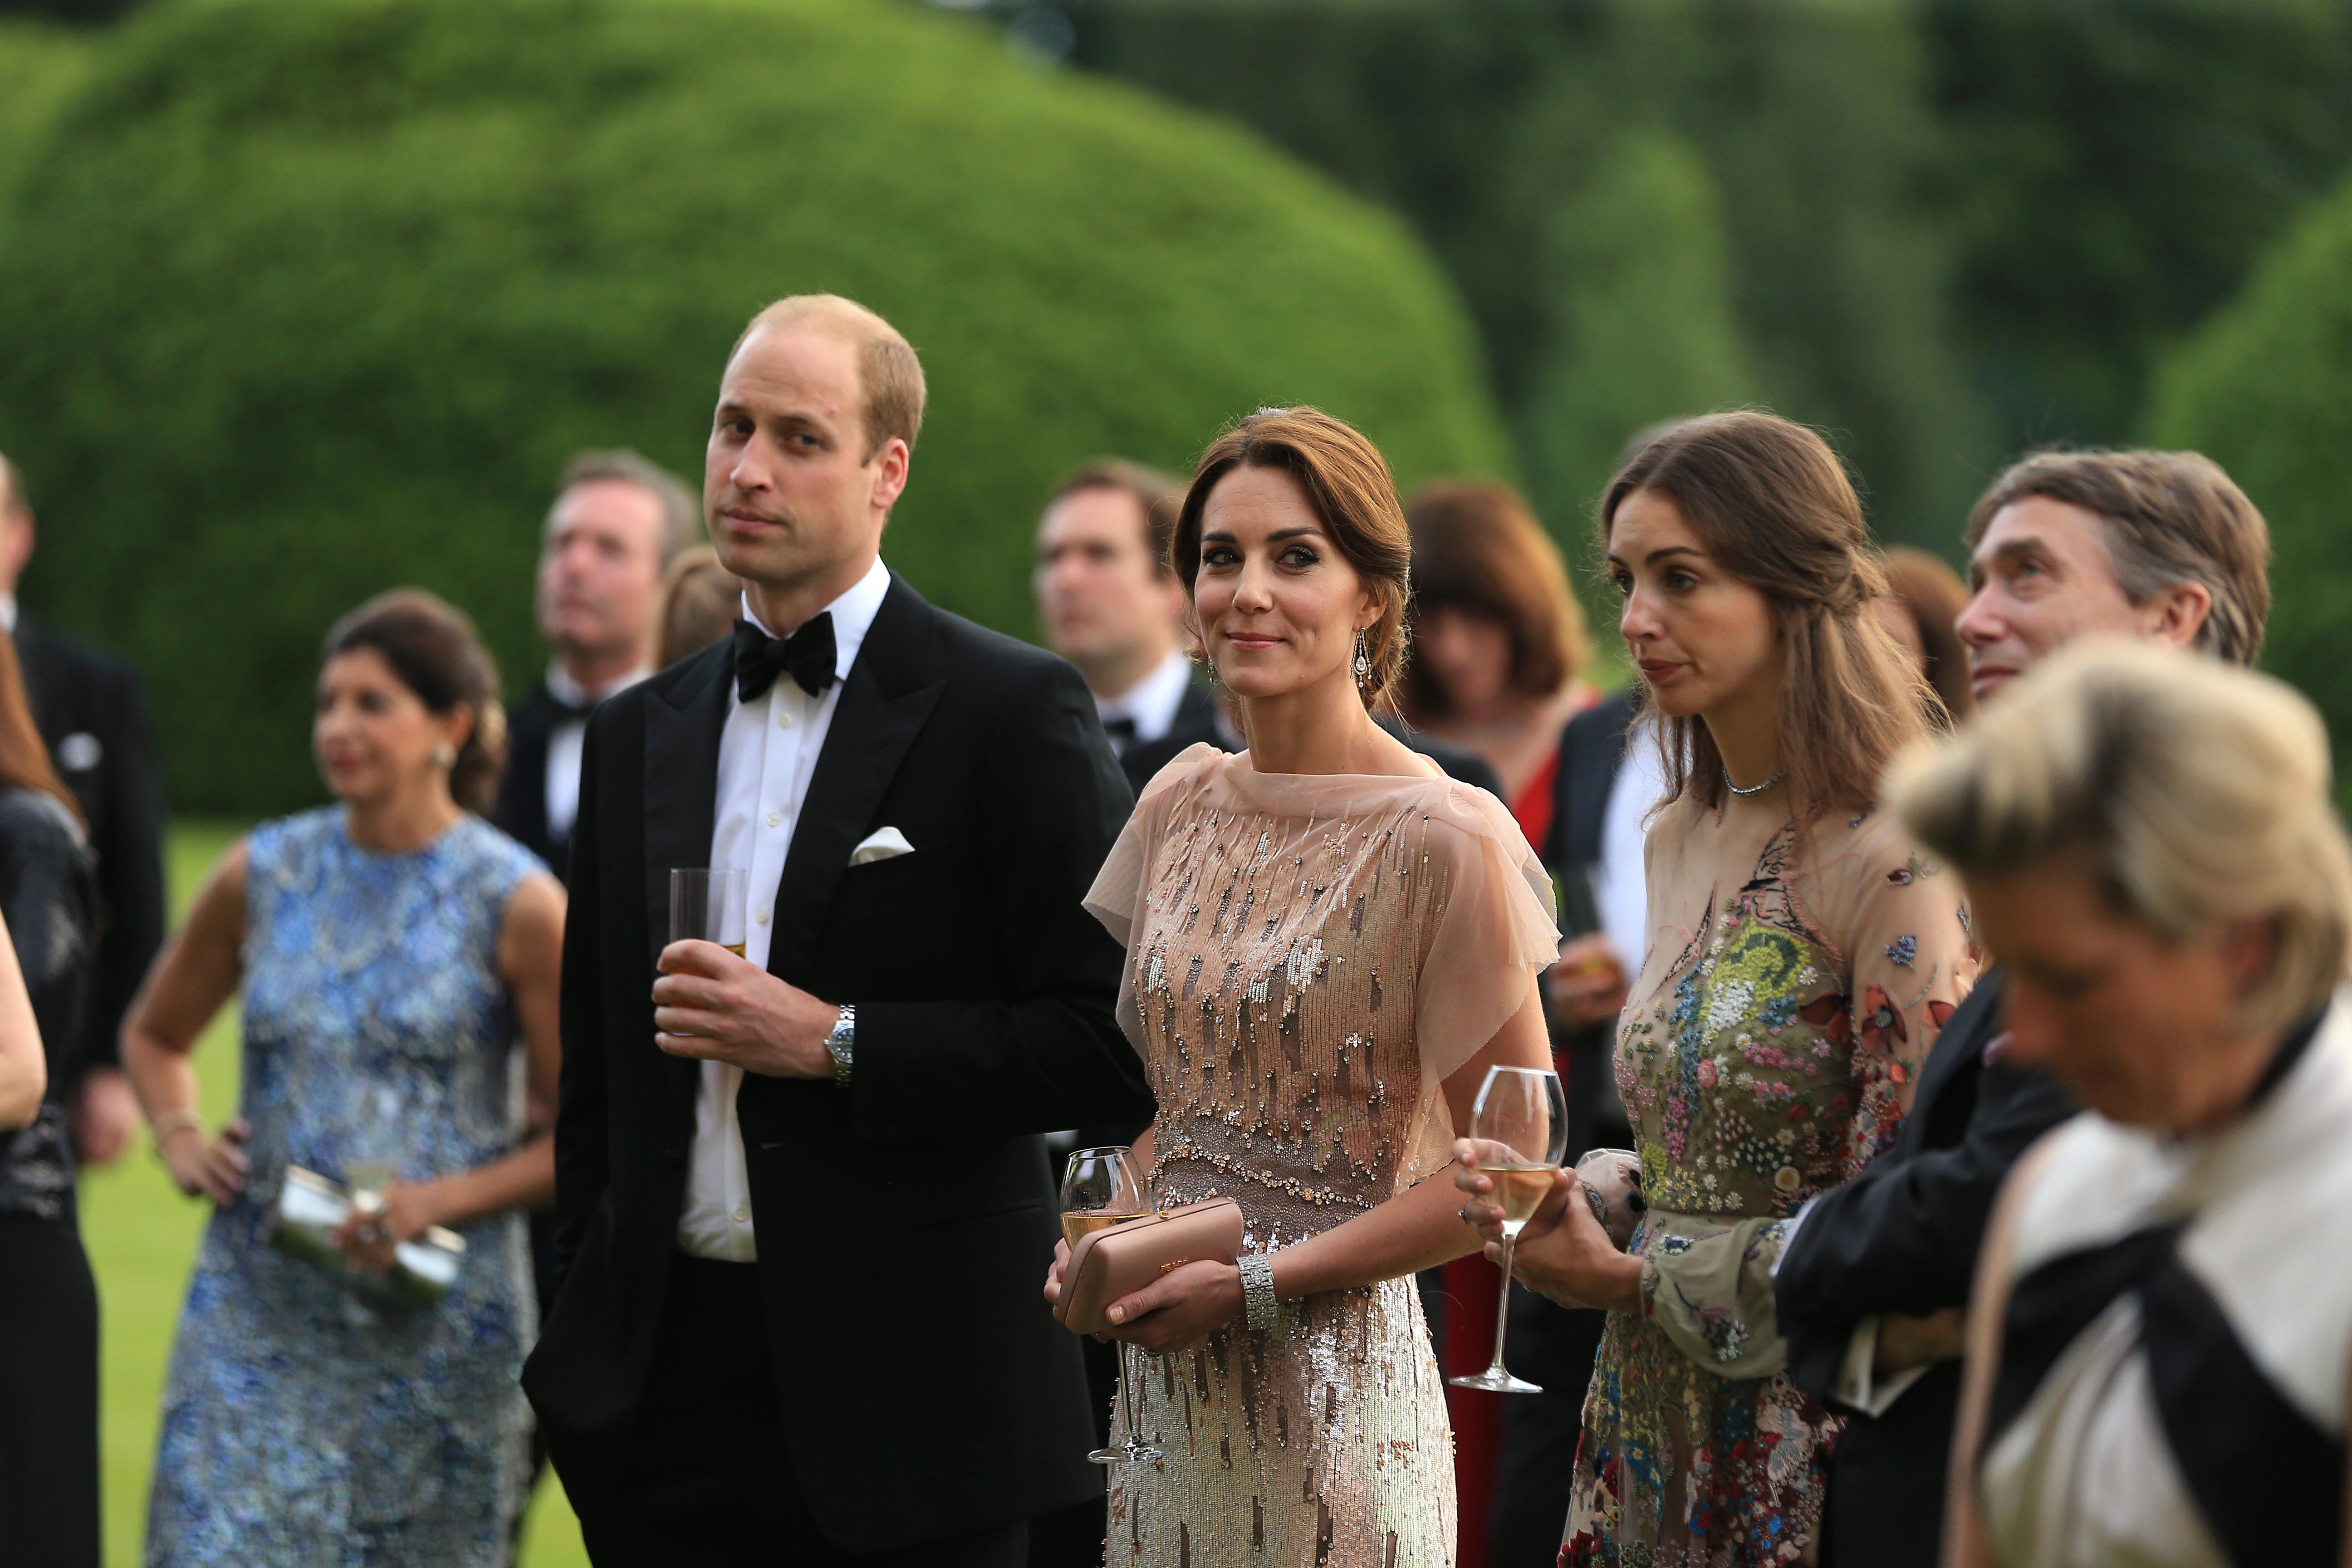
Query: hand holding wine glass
x,y
1100,1189
1518,1135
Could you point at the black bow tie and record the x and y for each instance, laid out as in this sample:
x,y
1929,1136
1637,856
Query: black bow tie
x,y
568,712
806,656
1121,733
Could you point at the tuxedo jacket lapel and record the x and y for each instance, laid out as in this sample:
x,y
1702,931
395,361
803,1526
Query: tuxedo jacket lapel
x,y
883,706
684,715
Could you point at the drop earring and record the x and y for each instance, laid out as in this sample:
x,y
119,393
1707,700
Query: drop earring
x,y
445,756
1363,665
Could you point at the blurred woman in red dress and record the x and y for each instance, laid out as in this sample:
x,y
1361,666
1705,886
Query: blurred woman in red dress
x,y
1498,654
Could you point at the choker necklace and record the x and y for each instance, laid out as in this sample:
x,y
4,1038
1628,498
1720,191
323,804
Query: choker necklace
x,y
1753,789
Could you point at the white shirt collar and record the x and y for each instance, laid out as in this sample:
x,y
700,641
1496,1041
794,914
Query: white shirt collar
x,y
571,694
1153,701
853,615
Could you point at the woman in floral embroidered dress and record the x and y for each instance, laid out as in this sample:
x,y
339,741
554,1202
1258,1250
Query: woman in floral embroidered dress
x,y
1802,957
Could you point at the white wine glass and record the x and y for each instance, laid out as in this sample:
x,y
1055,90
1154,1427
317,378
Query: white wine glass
x,y
1519,1128
1099,1189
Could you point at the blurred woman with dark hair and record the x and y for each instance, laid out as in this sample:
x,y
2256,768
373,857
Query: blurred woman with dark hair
x,y
1498,643
390,949
1922,611
48,1306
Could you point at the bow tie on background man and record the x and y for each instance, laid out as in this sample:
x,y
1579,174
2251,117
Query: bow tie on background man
x,y
806,656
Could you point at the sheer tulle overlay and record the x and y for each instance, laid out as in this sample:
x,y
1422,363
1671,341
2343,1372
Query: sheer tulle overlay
x,y
1310,956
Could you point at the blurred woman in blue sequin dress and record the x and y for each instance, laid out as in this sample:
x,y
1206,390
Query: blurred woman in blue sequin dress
x,y
393,951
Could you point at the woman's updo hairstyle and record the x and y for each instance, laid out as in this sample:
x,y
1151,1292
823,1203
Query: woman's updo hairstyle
x,y
434,650
1349,486
1773,506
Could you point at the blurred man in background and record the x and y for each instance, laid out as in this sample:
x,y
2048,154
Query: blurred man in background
x,y
1111,606
93,716
618,521
1874,1279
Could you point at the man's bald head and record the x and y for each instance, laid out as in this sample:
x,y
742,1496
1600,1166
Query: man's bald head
x,y
887,370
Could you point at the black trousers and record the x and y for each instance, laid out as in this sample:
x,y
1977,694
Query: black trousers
x,y
48,1396
710,1479
1073,1537
1553,1346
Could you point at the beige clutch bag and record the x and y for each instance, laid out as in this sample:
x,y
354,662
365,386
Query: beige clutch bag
x,y
1121,1260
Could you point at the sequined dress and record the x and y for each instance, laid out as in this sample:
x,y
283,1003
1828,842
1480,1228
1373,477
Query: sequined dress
x,y
1766,1054
301,1429
1308,958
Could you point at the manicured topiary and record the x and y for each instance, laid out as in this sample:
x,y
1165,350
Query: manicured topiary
x,y
2266,389
306,298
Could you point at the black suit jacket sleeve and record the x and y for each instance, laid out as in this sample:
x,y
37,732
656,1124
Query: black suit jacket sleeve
x,y
1903,1235
582,1152
1049,1053
128,840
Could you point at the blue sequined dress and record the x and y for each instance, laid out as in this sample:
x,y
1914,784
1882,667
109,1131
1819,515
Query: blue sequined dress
x,y
302,1427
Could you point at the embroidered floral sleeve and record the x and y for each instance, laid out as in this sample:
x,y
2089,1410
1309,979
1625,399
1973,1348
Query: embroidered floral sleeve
x,y
1911,960
1709,1286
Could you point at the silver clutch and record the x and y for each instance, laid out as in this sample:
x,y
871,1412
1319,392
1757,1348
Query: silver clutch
x,y
309,1210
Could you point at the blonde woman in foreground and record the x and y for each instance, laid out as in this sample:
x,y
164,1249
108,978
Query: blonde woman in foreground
x,y
2157,1367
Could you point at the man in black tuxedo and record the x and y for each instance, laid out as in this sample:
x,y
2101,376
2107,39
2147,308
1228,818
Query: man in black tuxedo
x,y
617,523
1110,602
1873,1283
93,717
803,1215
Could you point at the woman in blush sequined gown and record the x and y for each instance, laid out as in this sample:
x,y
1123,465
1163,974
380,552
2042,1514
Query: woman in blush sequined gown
x,y
391,951
1328,945
1802,956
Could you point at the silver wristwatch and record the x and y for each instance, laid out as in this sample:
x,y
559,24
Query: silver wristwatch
x,y
841,1043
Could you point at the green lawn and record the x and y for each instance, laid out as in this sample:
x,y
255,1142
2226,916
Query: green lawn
x,y
142,1235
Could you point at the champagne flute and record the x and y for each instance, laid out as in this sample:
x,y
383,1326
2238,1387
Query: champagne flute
x,y
710,904
1519,1124
1099,1190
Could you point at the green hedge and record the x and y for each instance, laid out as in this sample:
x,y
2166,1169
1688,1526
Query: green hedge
x,y
39,67
2266,389
1953,227
310,296
1494,125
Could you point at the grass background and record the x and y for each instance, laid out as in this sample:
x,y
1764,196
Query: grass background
x,y
142,1235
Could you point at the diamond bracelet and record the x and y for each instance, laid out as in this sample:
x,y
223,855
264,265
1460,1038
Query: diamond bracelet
x,y
1261,1308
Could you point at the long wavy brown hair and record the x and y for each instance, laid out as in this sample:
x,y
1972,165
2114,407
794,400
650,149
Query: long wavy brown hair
x,y
1774,507
24,758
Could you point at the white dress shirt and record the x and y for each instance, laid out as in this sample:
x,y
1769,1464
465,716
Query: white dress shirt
x,y
565,741
767,753
1150,703
1621,878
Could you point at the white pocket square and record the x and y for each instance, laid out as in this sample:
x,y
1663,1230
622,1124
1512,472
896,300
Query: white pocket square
x,y
880,845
